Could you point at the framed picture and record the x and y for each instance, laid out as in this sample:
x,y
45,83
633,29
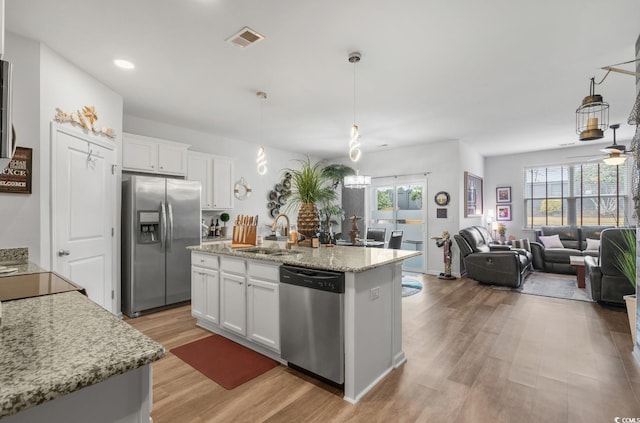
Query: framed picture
x,y
503,194
17,177
473,195
503,212
441,213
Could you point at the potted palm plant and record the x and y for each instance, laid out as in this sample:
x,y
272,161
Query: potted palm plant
x,y
309,188
626,262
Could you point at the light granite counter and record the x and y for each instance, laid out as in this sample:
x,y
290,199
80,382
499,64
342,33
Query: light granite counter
x,y
337,258
53,345
15,261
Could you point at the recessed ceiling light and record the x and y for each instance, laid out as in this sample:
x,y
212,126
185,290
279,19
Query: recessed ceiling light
x,y
123,64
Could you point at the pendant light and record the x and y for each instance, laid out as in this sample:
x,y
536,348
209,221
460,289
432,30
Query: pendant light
x,y
357,180
354,144
592,117
261,161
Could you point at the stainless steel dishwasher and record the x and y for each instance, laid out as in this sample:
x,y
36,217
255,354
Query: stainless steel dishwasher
x,y
312,321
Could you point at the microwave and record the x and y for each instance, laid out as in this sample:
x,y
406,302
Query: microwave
x,y
7,135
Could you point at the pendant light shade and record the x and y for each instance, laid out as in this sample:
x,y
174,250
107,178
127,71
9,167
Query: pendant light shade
x,y
592,117
354,143
357,181
261,161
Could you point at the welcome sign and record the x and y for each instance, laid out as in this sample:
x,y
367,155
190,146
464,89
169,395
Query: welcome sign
x,y
16,177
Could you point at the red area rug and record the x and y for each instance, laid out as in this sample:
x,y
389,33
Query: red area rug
x,y
223,361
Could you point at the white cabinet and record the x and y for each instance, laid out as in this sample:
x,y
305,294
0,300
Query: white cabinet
x,y
199,169
248,297
215,174
222,183
205,288
263,304
152,155
233,298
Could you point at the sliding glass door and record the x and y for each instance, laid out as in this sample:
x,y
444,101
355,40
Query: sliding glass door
x,y
400,206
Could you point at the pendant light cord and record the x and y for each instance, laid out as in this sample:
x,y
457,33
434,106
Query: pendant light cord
x,y
354,92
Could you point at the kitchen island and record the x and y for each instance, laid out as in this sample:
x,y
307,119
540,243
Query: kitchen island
x,y
64,358
235,294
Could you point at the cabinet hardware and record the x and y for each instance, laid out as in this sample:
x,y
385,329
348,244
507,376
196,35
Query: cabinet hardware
x,y
63,253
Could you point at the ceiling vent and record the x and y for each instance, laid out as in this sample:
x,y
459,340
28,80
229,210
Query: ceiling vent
x,y
245,37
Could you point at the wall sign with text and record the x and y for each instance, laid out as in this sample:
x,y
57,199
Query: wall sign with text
x,y
16,177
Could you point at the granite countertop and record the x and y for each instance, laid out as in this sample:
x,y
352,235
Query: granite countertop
x,y
338,258
56,344
18,259
21,269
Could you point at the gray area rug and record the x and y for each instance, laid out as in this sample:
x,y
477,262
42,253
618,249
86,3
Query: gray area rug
x,y
551,285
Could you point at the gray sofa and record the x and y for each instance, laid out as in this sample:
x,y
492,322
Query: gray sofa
x,y
489,263
574,241
605,282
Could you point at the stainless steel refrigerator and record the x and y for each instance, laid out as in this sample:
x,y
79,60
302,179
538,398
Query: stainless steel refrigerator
x,y
160,218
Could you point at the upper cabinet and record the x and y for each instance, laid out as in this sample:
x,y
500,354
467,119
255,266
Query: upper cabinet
x,y
152,155
215,174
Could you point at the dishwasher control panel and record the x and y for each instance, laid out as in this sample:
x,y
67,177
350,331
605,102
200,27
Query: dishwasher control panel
x,y
313,279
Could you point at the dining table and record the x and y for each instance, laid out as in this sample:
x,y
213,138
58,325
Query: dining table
x,y
362,243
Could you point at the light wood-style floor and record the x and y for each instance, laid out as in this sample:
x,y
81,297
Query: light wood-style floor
x,y
474,355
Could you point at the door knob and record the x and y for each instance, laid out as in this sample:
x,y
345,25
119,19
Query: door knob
x,y
63,253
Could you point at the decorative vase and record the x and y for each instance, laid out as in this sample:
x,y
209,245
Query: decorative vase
x,y
223,232
308,220
632,307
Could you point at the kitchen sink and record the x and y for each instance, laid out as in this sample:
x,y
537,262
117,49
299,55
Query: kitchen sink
x,y
269,251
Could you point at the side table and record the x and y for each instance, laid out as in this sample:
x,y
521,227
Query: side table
x,y
578,263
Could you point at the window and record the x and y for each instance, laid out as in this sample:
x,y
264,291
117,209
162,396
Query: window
x,y
577,194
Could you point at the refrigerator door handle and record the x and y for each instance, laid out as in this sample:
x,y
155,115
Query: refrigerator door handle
x,y
163,219
170,236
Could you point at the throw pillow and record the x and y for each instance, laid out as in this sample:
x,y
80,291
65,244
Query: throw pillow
x,y
521,243
593,244
551,241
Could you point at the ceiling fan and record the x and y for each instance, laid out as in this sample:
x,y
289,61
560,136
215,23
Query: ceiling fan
x,y
614,154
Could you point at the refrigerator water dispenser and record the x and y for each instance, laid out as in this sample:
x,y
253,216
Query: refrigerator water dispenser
x,y
148,227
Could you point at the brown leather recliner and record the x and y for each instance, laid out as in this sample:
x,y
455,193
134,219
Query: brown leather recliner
x,y
495,265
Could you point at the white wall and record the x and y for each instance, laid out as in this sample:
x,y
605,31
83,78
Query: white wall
x,y
508,171
245,154
21,212
65,86
445,164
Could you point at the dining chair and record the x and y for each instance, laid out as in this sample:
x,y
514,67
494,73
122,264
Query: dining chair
x,y
395,241
376,234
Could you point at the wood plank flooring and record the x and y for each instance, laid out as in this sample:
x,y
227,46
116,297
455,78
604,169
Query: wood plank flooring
x,y
474,355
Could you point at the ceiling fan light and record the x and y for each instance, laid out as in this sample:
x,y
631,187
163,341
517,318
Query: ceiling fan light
x,y
615,159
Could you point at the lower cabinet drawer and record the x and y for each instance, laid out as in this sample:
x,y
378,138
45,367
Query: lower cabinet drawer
x,y
204,260
233,265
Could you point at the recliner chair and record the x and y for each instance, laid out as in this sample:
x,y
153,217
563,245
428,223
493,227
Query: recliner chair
x,y
495,265
605,282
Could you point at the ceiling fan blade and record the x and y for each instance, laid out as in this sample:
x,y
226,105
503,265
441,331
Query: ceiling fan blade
x,y
615,148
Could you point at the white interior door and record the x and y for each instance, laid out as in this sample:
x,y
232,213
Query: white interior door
x,y
83,213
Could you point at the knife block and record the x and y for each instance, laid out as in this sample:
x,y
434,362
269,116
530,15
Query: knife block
x,y
244,236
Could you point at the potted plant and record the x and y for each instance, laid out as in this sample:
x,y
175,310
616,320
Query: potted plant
x,y
626,263
309,188
502,231
225,218
335,173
